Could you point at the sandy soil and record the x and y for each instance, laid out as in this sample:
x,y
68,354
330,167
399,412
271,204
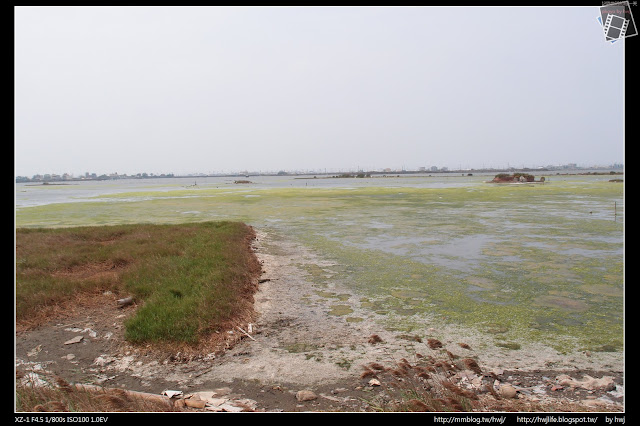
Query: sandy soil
x,y
296,343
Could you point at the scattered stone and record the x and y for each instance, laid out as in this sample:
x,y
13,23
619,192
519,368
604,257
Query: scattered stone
x,y
195,402
102,361
305,395
221,391
171,393
217,401
76,339
102,379
230,408
35,351
68,357
590,383
374,382
508,391
466,375
332,398
596,403
125,302
246,404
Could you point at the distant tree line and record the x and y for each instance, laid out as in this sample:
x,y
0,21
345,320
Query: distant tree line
x,y
88,176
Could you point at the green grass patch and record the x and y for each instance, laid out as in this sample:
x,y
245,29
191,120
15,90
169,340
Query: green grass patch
x,y
188,279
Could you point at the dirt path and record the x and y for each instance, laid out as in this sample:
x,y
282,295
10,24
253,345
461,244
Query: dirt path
x,y
299,342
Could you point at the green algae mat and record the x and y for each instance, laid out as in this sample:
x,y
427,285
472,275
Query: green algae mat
x,y
540,262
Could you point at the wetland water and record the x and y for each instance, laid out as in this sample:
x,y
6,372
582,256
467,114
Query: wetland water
x,y
520,264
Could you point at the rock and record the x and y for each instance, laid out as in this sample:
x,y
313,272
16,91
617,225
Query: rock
x,y
229,408
374,382
101,361
35,351
590,383
221,391
194,403
246,404
595,403
306,395
508,391
217,401
125,302
171,393
76,339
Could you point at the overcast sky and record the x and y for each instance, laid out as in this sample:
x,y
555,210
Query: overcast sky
x,y
213,89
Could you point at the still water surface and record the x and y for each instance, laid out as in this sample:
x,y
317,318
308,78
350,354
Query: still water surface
x,y
523,262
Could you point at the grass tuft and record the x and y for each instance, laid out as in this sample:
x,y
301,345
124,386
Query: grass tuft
x,y
188,280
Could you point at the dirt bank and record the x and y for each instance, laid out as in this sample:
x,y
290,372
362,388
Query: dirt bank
x,y
298,342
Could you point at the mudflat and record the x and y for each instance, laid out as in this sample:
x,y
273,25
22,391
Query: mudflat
x,y
302,340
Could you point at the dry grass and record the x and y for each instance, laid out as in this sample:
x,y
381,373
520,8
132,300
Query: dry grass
x,y
48,393
431,384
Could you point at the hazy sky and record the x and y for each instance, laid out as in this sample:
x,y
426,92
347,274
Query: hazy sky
x,y
211,89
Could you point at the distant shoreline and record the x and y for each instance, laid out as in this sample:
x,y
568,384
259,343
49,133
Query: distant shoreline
x,y
49,183
327,175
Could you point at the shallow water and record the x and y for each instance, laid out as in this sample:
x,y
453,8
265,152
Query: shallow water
x,y
525,262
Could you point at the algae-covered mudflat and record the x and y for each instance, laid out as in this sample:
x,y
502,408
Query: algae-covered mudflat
x,y
523,263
